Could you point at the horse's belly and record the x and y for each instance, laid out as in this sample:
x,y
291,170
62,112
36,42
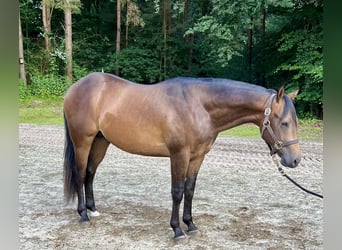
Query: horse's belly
x,y
143,138
138,144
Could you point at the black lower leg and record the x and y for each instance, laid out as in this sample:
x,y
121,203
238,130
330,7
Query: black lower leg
x,y
81,208
188,195
177,195
89,195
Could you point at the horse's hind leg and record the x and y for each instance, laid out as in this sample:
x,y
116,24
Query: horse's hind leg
x,y
82,149
96,155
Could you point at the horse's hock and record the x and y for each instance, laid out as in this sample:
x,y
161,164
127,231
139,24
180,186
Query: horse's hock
x,y
241,201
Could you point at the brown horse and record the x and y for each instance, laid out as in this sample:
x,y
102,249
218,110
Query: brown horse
x,y
179,118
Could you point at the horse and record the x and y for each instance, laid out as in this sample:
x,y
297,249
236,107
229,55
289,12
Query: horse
x,y
179,118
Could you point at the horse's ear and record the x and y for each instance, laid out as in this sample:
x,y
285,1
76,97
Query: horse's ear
x,y
281,93
293,94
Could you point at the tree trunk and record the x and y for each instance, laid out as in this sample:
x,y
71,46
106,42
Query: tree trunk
x,y
190,53
68,40
127,23
190,38
118,33
263,30
250,52
46,16
22,73
166,25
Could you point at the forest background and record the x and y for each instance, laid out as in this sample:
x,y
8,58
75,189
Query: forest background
x,y
266,42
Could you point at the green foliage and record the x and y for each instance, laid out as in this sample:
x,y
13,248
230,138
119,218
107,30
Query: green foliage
x,y
47,85
139,65
73,5
210,39
79,72
23,91
221,28
301,49
306,64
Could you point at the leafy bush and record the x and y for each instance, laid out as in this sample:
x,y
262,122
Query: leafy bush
x,y
137,65
78,72
47,85
23,91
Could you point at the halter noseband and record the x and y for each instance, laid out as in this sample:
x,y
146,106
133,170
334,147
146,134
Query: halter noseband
x,y
266,125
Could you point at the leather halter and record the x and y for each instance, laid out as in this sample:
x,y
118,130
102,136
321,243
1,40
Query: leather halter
x,y
266,125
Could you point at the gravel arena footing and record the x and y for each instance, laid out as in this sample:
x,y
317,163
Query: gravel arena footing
x,y
241,201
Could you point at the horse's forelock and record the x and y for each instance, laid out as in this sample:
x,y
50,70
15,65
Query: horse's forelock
x,y
289,107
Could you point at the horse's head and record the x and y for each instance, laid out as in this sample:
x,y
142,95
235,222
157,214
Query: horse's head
x,y
279,128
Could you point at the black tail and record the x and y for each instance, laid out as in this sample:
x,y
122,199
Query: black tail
x,y
71,175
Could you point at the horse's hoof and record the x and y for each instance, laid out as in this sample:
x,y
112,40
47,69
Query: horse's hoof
x,y
180,237
192,229
84,218
179,234
94,213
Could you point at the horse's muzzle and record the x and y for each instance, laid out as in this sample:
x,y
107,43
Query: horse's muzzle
x,y
290,162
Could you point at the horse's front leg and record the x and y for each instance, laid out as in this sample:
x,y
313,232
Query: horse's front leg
x,y
188,195
177,195
179,164
189,190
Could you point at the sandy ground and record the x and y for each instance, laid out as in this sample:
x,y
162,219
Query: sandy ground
x,y
241,201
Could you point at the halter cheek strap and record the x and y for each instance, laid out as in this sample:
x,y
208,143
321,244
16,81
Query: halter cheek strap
x,y
266,125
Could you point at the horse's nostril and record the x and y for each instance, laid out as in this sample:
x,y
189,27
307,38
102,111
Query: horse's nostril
x,y
296,162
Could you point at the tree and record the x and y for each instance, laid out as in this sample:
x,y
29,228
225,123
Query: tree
x,y
190,37
22,72
301,47
267,42
118,33
262,43
68,39
254,16
133,16
46,16
69,6
166,27
223,29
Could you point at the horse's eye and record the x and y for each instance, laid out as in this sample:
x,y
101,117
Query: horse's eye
x,y
285,124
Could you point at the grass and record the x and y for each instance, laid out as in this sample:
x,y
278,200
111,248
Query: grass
x,y
245,130
41,111
311,129
50,111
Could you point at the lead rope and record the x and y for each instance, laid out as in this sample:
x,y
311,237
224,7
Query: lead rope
x,y
282,172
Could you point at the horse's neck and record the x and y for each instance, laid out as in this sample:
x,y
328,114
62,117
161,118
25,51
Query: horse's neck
x,y
235,106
